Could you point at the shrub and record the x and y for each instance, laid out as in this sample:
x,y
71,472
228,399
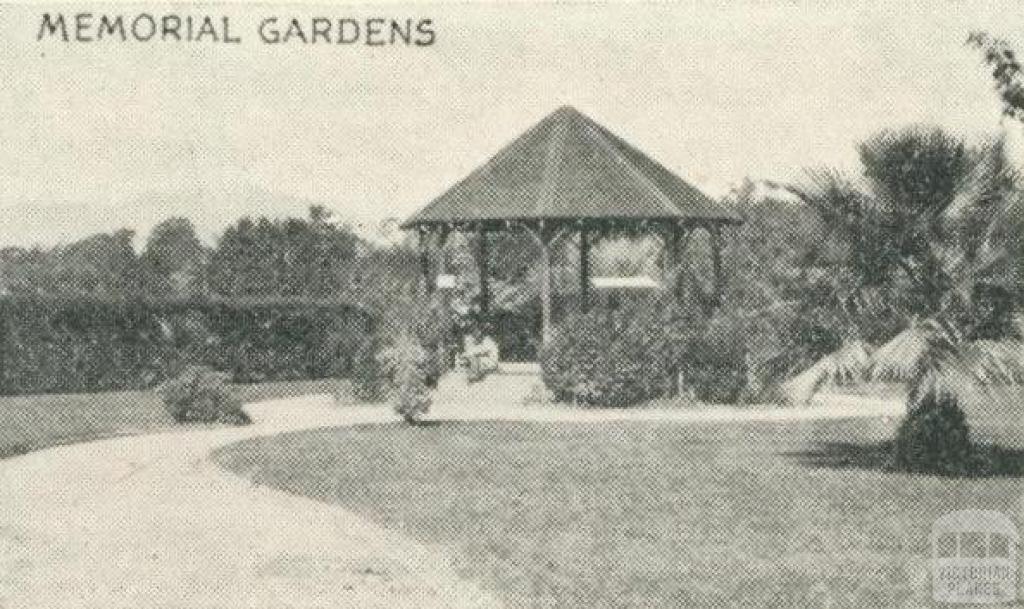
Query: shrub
x,y
715,364
200,395
370,382
934,438
615,358
408,365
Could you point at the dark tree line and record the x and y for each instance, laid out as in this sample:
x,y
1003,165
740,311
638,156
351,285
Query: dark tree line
x,y
294,257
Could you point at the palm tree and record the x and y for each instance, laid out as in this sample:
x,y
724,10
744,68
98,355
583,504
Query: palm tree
x,y
930,218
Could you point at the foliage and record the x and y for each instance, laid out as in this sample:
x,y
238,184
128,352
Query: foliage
x,y
200,395
934,438
845,366
104,264
921,240
312,256
622,357
369,375
893,221
174,260
72,345
408,365
76,344
309,257
715,362
1006,71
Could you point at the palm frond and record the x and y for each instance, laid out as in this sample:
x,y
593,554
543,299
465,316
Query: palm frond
x,y
842,367
900,359
995,362
956,369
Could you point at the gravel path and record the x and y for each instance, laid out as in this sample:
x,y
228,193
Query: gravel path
x,y
149,521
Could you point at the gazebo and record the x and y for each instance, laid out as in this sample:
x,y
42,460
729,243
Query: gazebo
x,y
569,176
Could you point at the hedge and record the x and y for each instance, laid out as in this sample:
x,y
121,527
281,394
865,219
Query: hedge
x,y
67,344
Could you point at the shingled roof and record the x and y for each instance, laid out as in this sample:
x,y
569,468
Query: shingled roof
x,y
569,167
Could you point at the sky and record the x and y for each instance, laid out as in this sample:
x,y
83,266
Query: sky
x,y
101,136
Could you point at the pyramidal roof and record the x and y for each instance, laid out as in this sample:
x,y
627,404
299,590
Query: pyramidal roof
x,y
569,167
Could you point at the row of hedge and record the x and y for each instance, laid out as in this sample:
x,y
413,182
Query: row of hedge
x,y
57,345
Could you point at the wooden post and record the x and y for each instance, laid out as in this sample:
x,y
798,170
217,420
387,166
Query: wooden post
x,y
671,262
442,239
4,338
545,284
424,247
676,245
716,261
584,269
482,269
542,236
545,236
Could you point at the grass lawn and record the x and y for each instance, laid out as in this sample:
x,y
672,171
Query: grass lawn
x,y
642,514
32,422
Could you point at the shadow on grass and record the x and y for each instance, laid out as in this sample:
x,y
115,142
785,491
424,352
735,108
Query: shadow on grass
x,y
989,460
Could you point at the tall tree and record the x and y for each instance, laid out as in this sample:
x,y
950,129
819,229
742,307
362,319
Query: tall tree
x,y
294,257
105,264
893,219
174,259
932,219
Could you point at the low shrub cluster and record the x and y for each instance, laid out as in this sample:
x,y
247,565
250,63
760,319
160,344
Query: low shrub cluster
x,y
201,395
626,356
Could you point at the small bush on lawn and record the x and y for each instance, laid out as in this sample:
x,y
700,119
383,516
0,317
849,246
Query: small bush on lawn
x,y
409,366
934,438
421,321
201,395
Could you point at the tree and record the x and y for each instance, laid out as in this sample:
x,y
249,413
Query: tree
x,y
930,219
103,264
174,259
998,212
291,257
894,220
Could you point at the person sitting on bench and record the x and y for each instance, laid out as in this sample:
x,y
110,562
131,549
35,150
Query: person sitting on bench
x,y
479,355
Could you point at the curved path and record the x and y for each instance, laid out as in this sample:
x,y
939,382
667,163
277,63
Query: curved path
x,y
149,521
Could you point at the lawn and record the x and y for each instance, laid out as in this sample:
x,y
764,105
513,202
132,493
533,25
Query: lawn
x,y
641,514
32,422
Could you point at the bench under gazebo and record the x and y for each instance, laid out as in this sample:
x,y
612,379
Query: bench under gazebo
x,y
570,178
